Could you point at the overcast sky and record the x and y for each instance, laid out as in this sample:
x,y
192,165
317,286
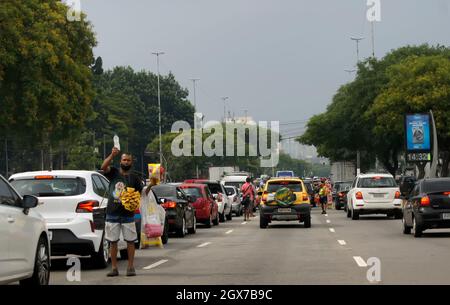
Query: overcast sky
x,y
280,59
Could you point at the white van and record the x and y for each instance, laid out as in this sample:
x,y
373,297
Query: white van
x,y
235,179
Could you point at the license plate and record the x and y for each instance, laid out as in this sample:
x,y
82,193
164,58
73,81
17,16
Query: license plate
x,y
284,210
50,235
378,195
446,216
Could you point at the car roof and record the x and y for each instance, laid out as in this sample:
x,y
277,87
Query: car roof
x,y
375,175
61,173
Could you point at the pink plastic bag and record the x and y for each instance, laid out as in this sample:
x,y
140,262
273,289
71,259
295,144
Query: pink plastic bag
x,y
153,230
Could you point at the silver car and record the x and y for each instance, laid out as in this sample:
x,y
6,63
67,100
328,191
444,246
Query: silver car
x,y
234,197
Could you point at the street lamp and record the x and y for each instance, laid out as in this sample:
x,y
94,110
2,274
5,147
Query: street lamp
x,y
195,98
157,54
224,108
357,40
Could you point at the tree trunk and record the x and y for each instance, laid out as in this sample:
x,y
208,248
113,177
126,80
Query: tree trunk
x,y
421,167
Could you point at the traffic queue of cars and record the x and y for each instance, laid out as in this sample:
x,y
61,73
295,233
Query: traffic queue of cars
x,y
421,205
47,215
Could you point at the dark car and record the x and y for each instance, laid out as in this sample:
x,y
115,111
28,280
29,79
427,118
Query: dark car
x,y
427,206
406,184
179,209
310,189
340,201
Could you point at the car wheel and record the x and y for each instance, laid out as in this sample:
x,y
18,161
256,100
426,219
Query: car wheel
x,y
222,217
418,230
338,207
349,213
100,259
165,236
263,223
208,223
216,220
230,216
406,229
398,215
194,226
355,215
123,254
41,270
181,232
307,222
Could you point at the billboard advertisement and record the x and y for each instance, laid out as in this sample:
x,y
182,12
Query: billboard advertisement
x,y
418,137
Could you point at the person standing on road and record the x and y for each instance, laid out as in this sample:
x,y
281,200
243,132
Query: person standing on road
x,y
323,194
248,196
118,219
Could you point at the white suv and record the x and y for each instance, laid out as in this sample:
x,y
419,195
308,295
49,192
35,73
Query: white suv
x,y
374,194
70,200
24,242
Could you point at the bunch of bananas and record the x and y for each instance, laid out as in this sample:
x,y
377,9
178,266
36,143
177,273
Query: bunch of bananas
x,y
130,199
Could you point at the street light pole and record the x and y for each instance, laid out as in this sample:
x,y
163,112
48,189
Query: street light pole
x,y
195,97
357,40
157,54
224,108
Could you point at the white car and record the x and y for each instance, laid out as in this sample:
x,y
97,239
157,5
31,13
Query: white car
x,y
24,241
374,194
235,198
70,198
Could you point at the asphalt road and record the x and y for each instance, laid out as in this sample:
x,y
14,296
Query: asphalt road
x,y
336,250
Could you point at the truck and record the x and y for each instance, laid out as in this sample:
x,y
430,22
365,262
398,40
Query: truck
x,y
218,172
342,171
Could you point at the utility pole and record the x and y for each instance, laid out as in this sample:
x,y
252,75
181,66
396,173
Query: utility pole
x,y
373,39
157,54
358,155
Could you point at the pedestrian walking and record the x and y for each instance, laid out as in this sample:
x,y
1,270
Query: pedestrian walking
x,y
248,197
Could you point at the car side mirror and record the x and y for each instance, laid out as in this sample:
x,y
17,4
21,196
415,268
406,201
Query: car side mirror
x,y
29,202
215,196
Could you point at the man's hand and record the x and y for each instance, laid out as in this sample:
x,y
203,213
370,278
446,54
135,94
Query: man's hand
x,y
115,151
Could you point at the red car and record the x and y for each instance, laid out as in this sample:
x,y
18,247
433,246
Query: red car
x,y
206,208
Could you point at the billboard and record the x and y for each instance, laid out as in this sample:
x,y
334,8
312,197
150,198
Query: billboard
x,y
418,136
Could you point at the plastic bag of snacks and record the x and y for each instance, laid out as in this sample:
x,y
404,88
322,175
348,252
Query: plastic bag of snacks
x,y
155,171
152,221
130,199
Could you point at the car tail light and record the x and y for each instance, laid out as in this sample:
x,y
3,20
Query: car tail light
x,y
447,193
359,196
341,194
397,194
43,177
305,197
425,201
86,206
169,205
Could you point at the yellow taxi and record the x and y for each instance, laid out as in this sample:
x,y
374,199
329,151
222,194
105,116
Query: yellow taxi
x,y
298,209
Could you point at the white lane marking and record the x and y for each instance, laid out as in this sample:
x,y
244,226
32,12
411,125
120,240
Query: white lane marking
x,y
332,230
326,215
328,221
244,223
156,264
342,242
360,261
228,232
203,245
